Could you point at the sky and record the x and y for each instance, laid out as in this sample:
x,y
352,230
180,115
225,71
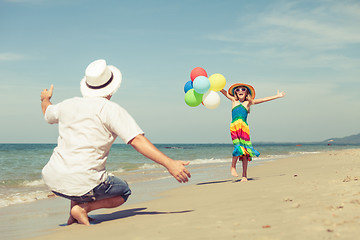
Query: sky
x,y
309,49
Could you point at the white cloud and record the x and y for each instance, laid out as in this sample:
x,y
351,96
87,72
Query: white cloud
x,y
302,35
326,26
310,33
11,57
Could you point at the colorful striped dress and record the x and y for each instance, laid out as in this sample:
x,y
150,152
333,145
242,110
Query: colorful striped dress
x,y
240,133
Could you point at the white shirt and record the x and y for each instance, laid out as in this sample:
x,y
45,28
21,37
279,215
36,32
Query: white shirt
x,y
87,129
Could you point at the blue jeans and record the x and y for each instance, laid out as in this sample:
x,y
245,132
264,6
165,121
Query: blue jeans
x,y
112,187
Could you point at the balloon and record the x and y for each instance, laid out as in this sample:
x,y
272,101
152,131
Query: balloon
x,y
198,71
188,86
211,100
217,82
201,84
193,98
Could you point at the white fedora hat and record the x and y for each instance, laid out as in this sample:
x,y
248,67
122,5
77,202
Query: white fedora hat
x,y
100,79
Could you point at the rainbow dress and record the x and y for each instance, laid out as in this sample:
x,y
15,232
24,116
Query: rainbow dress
x,y
240,133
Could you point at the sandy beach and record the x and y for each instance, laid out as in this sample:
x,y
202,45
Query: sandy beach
x,y
315,196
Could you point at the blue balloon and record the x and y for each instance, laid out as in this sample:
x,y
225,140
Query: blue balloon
x,y
201,84
188,86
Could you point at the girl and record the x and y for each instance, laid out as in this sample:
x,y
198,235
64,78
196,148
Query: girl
x,y
242,97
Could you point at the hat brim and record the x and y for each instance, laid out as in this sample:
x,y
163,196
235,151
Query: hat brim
x,y
249,87
103,92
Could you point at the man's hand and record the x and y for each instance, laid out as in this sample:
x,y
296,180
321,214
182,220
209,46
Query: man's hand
x,y
45,98
280,94
177,169
47,94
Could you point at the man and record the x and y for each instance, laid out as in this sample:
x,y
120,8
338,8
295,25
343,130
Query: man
x,y
88,126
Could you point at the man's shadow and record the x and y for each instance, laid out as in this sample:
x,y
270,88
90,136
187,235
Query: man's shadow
x,y
99,218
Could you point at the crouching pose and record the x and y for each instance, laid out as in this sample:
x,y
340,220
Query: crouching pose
x,y
88,126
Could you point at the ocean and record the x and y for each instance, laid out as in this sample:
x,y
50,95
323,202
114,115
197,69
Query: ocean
x,y
28,208
21,165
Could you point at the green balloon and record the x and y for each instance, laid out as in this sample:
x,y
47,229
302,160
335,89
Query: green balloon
x,y
193,98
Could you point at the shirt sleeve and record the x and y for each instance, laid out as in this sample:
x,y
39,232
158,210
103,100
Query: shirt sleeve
x,y
52,114
120,122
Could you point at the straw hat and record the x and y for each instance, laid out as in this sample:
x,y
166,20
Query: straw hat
x,y
236,85
100,80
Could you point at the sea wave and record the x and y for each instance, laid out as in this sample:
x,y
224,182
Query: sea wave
x,y
209,160
173,147
270,157
18,198
149,166
119,170
303,153
33,183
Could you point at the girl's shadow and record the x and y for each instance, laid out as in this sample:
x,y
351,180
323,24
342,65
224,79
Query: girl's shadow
x,y
224,181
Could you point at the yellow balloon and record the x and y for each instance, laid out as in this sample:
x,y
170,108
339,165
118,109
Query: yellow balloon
x,y
217,82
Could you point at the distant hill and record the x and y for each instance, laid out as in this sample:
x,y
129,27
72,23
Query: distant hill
x,y
353,139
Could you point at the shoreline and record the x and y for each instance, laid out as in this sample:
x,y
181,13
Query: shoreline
x,y
52,212
314,196
22,187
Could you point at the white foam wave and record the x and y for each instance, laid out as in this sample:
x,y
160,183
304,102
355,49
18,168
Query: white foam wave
x,y
209,160
149,166
18,198
174,147
120,170
304,153
271,157
34,183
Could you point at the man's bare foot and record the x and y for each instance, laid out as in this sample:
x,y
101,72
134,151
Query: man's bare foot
x,y
233,172
71,220
244,179
80,215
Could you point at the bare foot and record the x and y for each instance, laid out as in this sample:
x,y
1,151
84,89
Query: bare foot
x,y
71,220
80,215
244,179
233,172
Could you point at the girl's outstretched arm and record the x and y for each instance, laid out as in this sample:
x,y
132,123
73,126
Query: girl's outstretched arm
x,y
226,94
266,99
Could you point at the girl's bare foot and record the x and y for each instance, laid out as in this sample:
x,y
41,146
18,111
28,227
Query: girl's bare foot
x,y
244,179
80,215
233,172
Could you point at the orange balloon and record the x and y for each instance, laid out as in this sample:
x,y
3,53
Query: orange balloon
x,y
198,71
